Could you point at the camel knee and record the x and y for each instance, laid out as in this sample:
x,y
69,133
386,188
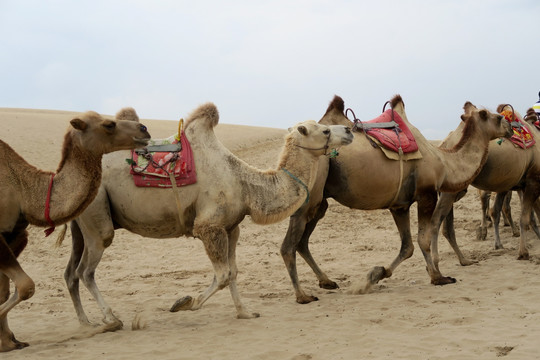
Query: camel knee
x,y
26,290
223,280
407,252
87,276
107,238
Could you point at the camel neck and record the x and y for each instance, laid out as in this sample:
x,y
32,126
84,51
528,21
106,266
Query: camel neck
x,y
298,181
73,188
464,162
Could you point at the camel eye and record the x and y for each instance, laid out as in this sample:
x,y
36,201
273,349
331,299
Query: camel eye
x,y
326,132
109,125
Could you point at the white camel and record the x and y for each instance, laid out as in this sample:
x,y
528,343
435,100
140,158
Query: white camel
x,y
227,189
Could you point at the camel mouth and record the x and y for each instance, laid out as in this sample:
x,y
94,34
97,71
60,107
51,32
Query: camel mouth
x,y
141,141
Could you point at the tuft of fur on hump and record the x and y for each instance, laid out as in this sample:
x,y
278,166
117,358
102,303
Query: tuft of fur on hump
x,y
205,116
337,103
127,113
396,100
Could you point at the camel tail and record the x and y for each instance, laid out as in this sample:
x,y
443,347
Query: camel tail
x,y
61,236
206,116
127,113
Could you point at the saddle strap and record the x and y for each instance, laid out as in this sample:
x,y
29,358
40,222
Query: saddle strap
x,y
400,177
177,198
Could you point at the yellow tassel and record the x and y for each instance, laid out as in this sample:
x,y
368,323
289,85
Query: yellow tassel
x,y
180,129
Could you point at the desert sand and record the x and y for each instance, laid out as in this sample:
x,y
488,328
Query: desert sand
x,y
492,311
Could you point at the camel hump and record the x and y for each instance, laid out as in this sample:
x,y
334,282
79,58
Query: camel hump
x,y
127,113
337,103
397,101
206,115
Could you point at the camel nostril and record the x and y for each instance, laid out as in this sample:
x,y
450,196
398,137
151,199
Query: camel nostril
x,y
143,128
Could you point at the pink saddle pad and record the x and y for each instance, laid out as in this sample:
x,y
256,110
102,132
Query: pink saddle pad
x,y
393,138
153,168
522,136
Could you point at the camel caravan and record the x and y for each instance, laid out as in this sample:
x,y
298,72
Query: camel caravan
x,y
112,175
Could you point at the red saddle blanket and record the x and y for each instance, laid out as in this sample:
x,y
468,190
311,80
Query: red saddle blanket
x,y
393,138
152,169
522,136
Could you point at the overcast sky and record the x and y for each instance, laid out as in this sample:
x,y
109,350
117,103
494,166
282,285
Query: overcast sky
x,y
271,63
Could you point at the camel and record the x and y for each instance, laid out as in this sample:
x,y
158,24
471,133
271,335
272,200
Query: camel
x,y
507,168
227,190
531,117
32,196
362,177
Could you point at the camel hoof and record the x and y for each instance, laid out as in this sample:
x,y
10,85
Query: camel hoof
x,y
306,299
14,344
377,274
248,316
499,247
113,326
184,303
467,262
445,280
329,285
523,257
481,233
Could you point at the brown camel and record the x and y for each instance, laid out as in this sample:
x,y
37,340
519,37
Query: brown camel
x,y
485,196
227,189
507,168
31,196
362,177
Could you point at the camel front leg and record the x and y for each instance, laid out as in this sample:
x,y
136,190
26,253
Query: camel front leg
x,y
216,244
402,220
297,239
446,210
241,312
24,289
303,248
530,195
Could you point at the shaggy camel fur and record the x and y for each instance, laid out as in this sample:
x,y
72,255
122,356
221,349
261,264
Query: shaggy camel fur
x,y
507,168
227,189
364,178
24,190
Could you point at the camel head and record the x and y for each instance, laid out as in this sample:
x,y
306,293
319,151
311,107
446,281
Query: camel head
x,y
317,137
99,135
490,124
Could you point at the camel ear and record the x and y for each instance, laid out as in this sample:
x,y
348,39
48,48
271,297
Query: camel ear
x,y
468,107
302,130
78,124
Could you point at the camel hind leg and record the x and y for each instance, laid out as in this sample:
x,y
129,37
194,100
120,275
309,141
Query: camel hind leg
x,y
70,274
10,269
495,214
82,265
220,247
